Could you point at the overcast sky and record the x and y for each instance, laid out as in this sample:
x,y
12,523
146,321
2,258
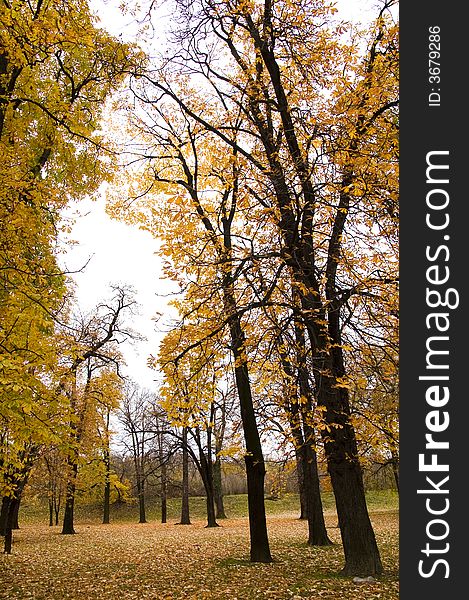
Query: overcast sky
x,y
120,253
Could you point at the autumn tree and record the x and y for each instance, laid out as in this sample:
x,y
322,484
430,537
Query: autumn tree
x,y
208,205
318,138
188,392
56,71
93,341
375,380
135,416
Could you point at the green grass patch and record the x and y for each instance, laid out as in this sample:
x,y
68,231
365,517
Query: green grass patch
x,y
235,507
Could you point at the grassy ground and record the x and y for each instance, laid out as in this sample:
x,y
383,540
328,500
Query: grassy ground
x,y
127,561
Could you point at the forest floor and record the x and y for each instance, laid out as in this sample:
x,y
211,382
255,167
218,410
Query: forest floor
x,y
125,560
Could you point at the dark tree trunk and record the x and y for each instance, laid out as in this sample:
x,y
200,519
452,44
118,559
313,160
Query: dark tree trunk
x,y
254,459
255,467
11,514
107,488
260,551
317,533
107,503
57,502
210,502
310,493
68,521
218,489
300,415
164,509
142,517
51,512
185,516
4,514
9,526
16,510
8,540
360,548
164,493
68,524
11,504
205,467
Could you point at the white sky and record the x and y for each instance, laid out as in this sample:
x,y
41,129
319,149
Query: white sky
x,y
121,253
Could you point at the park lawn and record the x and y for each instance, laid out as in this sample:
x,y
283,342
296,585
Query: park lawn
x,y
127,560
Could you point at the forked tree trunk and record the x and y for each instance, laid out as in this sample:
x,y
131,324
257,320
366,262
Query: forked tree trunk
x,y
205,466
254,459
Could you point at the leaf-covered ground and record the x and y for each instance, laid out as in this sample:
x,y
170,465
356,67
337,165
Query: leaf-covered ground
x,y
176,562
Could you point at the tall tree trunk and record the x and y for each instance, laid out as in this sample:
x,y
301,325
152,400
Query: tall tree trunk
x,y
68,520
254,458
218,489
185,516
76,430
51,512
